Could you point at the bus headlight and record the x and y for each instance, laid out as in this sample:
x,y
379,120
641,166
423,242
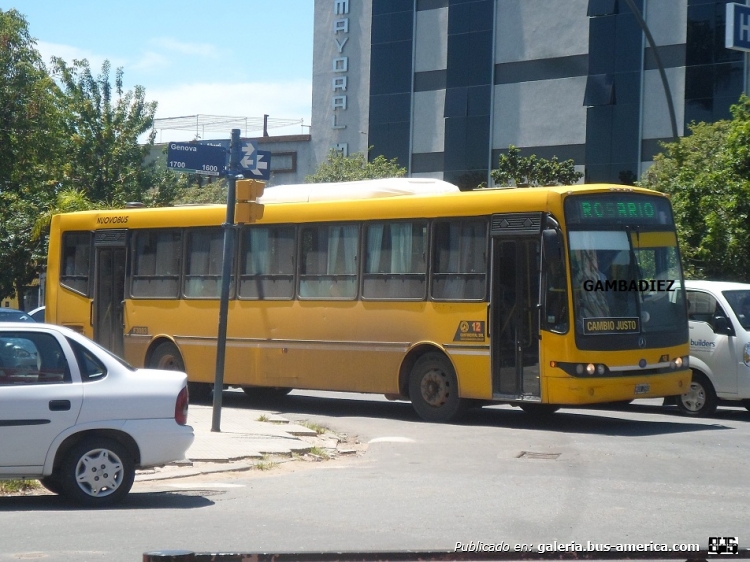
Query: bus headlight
x,y
590,368
678,362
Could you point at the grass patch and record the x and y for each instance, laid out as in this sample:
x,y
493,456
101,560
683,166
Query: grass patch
x,y
265,465
319,452
262,417
316,427
18,486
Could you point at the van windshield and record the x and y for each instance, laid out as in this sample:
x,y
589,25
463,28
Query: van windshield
x,y
740,303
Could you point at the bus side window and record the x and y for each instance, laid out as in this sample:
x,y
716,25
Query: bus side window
x,y
395,263
75,266
203,263
329,262
267,263
459,254
156,263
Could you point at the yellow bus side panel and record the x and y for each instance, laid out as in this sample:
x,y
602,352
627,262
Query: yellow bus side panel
x,y
314,345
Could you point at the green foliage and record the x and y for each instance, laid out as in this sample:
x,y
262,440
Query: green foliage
x,y
66,201
106,161
707,175
338,167
530,171
206,194
32,150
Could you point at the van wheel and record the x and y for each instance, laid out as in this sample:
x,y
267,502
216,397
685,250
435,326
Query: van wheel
x,y
433,389
700,399
746,404
97,472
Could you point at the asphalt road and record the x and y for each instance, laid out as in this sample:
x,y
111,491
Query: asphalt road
x,y
636,475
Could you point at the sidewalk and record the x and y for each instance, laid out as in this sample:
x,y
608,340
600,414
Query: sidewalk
x,y
243,441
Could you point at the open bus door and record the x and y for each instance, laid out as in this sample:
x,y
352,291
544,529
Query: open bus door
x,y
514,306
109,289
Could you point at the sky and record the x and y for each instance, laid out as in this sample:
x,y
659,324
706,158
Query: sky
x,y
239,58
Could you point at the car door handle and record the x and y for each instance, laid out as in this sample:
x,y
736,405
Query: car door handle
x,y
59,405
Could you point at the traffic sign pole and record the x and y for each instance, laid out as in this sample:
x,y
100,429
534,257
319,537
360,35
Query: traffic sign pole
x,y
226,273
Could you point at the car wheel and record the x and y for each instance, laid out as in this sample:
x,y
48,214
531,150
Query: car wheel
x,y
263,393
433,389
167,356
97,472
700,399
539,410
52,484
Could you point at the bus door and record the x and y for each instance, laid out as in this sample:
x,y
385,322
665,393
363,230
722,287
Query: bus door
x,y
109,289
514,321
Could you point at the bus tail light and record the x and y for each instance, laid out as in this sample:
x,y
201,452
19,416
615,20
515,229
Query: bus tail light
x,y
181,407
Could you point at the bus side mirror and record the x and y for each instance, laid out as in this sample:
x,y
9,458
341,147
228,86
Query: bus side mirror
x,y
552,244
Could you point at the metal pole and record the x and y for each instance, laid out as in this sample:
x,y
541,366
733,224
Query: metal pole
x,y
226,272
660,66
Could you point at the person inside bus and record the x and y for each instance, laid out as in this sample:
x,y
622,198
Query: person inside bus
x,y
591,302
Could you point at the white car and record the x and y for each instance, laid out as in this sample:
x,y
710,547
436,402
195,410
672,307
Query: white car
x,y
80,419
719,322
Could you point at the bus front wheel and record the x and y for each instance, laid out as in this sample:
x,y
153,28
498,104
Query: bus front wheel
x,y
433,389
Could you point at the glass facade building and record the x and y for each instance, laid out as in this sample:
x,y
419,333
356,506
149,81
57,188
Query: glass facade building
x,y
446,86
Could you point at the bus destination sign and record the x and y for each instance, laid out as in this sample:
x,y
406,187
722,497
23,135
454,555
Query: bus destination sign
x,y
604,210
200,159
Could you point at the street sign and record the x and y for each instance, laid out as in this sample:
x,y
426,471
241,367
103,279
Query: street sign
x,y
737,34
255,163
196,158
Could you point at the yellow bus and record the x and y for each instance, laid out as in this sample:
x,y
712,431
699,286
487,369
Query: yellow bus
x,y
536,297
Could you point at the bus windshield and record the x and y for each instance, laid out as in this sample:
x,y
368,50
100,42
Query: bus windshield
x,y
625,273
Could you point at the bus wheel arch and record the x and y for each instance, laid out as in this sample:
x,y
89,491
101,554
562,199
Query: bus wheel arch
x,y
164,354
407,365
433,388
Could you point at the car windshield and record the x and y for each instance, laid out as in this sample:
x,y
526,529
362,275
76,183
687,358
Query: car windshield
x,y
13,315
740,303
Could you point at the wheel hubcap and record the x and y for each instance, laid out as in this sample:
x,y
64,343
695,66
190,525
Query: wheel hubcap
x,y
435,388
695,398
99,473
167,362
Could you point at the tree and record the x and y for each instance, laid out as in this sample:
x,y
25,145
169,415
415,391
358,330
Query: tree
x,y
707,175
338,167
106,160
530,171
31,150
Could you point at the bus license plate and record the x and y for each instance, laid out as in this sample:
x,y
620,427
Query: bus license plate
x,y
642,388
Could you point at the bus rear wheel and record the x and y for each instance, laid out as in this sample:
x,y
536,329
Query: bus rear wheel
x,y
433,389
167,356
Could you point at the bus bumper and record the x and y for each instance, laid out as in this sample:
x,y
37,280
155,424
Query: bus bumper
x,y
572,390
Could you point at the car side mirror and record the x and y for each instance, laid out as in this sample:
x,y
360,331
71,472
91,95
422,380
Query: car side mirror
x,y
722,326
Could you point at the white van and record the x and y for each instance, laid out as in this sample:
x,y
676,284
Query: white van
x,y
719,320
